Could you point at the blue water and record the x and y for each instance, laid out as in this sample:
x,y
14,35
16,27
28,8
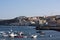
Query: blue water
x,y
29,29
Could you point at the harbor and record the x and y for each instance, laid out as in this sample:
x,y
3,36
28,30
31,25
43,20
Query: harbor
x,y
27,33
29,19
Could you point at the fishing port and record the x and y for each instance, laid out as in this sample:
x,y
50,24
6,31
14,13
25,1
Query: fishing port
x,y
29,19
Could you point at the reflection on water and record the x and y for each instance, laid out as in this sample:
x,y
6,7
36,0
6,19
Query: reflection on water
x,y
17,39
30,39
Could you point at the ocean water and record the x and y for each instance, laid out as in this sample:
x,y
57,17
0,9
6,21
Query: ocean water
x,y
31,30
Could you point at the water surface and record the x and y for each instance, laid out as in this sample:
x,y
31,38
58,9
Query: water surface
x,y
29,29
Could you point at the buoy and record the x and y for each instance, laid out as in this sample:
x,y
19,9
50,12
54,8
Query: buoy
x,y
50,35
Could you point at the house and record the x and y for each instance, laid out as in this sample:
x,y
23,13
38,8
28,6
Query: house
x,y
57,16
58,20
51,20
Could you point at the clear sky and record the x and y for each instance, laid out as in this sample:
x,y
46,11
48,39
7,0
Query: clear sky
x,y
15,8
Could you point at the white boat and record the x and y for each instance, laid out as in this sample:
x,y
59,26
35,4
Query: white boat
x,y
34,36
12,35
21,33
5,35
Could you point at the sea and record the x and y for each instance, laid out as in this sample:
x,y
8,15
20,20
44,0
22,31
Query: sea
x,y
49,34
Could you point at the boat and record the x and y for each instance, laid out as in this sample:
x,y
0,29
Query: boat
x,y
42,33
4,34
33,36
12,35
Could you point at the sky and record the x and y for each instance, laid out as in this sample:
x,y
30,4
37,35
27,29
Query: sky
x,y
15,8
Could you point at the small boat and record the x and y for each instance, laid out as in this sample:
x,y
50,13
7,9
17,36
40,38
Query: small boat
x,y
42,34
18,36
12,35
33,36
21,33
5,35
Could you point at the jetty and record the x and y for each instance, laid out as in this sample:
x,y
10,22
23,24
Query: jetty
x,y
56,28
